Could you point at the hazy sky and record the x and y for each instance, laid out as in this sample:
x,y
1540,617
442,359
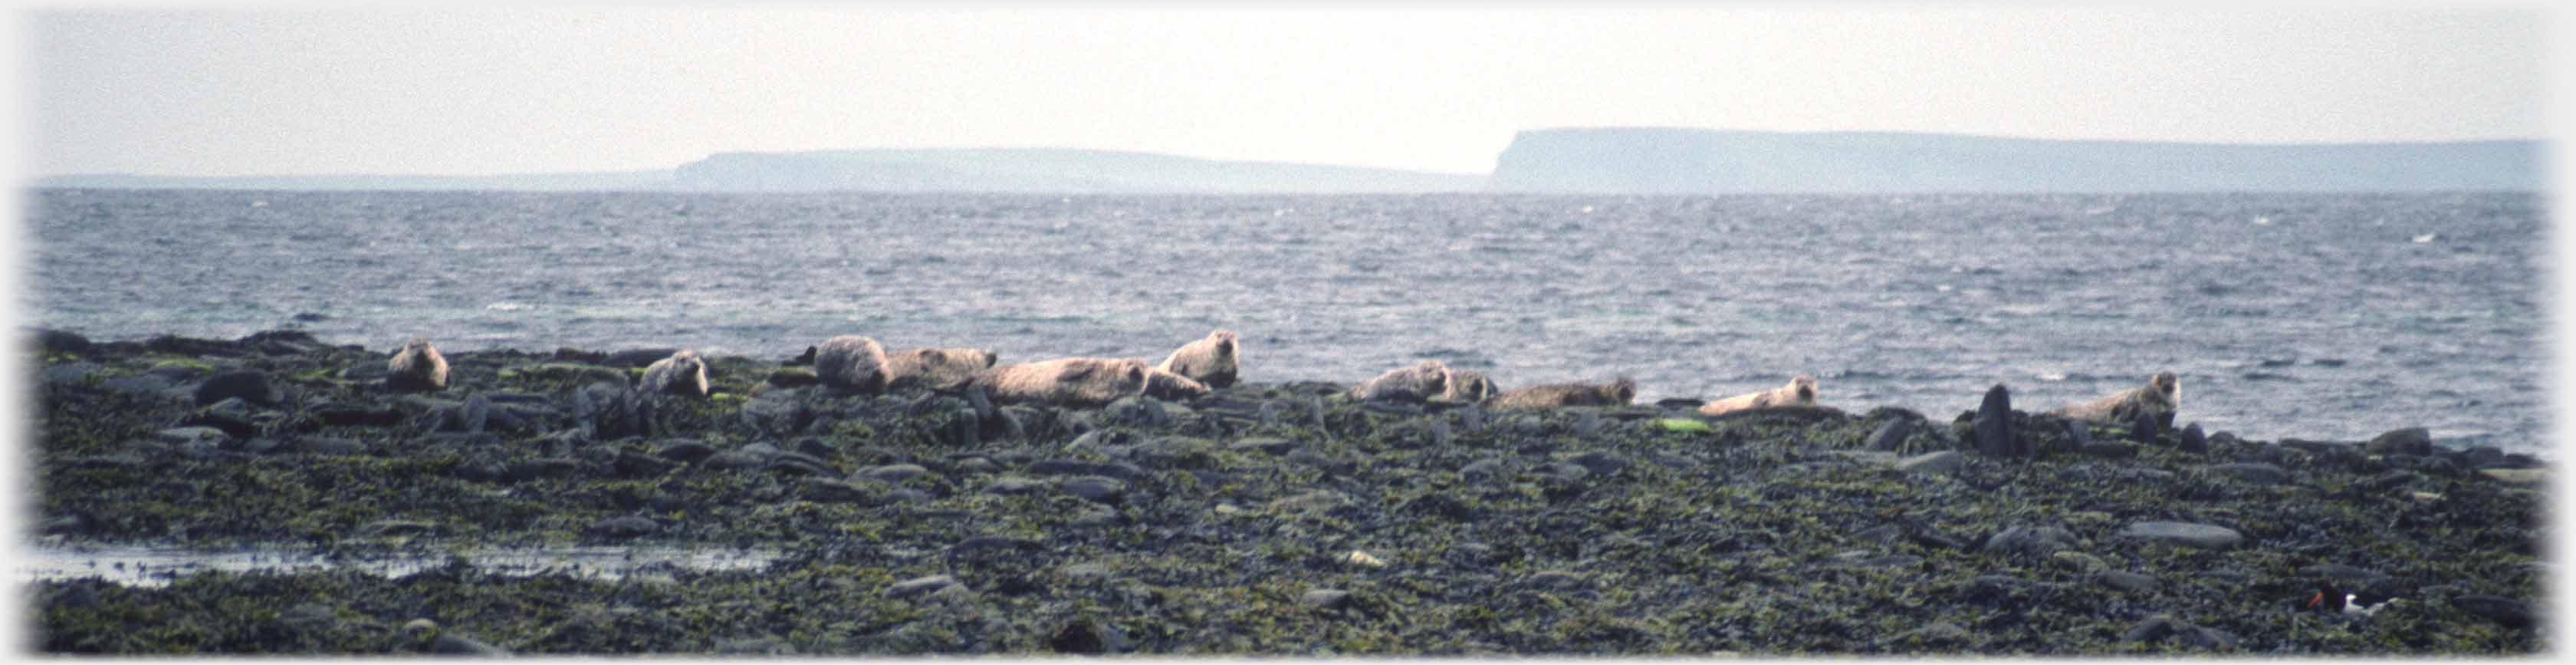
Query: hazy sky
x,y
498,91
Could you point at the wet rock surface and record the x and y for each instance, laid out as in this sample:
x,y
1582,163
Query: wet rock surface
x,y
919,522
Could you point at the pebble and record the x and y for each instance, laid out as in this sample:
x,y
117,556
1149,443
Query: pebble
x,y
2079,561
622,528
1481,470
1014,485
1330,599
452,644
919,586
1095,488
2525,477
1266,445
2185,533
894,473
1942,462
1604,463
685,451
2128,581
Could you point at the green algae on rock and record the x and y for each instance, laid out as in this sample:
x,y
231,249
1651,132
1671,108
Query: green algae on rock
x,y
1225,525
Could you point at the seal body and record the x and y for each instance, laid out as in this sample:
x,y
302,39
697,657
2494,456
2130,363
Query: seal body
x,y
1209,360
1085,383
2161,395
681,374
1172,387
1414,384
1615,393
1801,391
938,369
417,367
851,363
1466,387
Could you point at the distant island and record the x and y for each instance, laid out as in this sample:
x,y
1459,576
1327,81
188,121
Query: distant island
x,y
1603,160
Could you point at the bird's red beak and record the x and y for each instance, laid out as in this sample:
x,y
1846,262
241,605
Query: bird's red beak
x,y
2319,598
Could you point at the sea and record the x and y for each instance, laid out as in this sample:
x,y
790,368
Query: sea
x,y
2314,316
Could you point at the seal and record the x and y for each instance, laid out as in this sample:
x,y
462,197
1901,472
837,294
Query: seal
x,y
1801,391
851,363
1209,360
1172,387
1614,393
1082,383
1466,386
1413,384
938,369
2161,395
681,374
417,367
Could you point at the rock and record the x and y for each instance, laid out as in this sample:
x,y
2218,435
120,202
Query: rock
x,y
2109,449
2127,581
1568,472
826,490
537,469
1891,436
638,357
1065,467
451,644
794,377
1943,462
1329,599
2185,533
2079,561
623,528
1481,470
1087,636
2524,477
1014,485
2252,472
188,435
919,586
2146,428
2408,441
1095,488
344,415
327,446
2030,541
309,616
754,646
249,386
1312,502
51,341
1265,445
892,473
685,452
392,528
2506,611
631,464
1994,424
2192,441
2153,629
1598,462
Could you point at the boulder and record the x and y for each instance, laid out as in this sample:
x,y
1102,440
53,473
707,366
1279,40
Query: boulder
x,y
2408,441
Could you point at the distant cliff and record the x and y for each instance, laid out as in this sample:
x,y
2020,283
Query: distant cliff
x,y
1693,161
1042,170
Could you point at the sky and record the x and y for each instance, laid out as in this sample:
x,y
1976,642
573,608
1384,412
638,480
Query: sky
x,y
491,90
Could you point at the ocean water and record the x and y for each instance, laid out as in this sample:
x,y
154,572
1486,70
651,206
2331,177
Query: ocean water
x,y
2309,316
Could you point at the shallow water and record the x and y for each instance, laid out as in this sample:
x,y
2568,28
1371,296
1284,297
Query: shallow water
x,y
148,566
2312,316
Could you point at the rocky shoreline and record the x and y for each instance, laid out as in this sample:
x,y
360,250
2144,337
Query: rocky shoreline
x,y
1272,519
